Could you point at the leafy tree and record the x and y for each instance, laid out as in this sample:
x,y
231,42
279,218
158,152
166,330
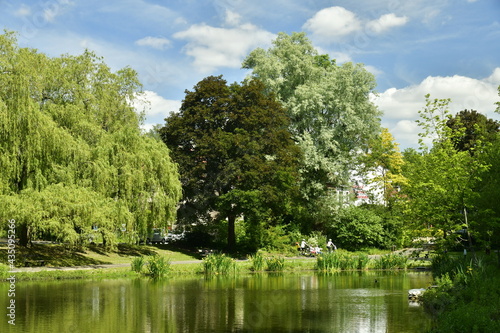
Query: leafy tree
x,y
383,164
235,154
69,121
357,227
332,118
471,129
485,218
440,179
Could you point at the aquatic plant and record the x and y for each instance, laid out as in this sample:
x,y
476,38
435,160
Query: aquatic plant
x,y
137,264
158,266
218,263
257,261
391,261
275,264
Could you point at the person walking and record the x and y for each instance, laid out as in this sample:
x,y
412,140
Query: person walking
x,y
330,246
303,246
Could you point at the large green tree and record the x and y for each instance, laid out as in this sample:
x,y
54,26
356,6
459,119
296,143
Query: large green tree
x,y
471,130
69,121
441,179
332,118
235,154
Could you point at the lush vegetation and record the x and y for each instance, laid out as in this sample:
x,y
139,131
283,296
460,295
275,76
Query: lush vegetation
x,y
467,296
256,165
75,166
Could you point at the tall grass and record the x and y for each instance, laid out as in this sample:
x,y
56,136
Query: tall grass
x,y
257,262
336,261
218,263
158,266
275,264
137,264
391,261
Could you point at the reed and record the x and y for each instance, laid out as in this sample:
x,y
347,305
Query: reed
x,y
391,261
336,261
137,264
158,266
257,262
218,263
275,264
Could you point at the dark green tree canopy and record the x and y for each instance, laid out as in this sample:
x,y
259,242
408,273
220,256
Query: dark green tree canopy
x,y
471,128
234,151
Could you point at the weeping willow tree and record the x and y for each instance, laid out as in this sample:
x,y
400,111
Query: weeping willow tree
x,y
71,151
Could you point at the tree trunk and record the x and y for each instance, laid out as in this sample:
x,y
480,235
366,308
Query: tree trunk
x,y
24,238
231,235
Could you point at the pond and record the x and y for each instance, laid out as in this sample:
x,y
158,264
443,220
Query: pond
x,y
307,302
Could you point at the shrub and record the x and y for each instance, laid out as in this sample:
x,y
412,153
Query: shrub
x,y
357,227
218,263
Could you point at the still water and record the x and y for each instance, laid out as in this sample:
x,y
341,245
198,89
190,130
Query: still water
x,y
343,302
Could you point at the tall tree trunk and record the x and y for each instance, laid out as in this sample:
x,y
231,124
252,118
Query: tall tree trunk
x,y
231,235
24,238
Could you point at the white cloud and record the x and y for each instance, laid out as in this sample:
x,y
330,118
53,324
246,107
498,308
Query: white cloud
x,y
23,11
332,23
154,42
385,22
153,104
232,18
213,47
401,106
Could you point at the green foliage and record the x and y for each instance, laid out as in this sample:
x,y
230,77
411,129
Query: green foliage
x,y
157,266
391,261
331,115
441,180
275,264
4,271
338,260
137,264
383,163
257,261
468,287
357,227
471,130
235,153
218,263
68,129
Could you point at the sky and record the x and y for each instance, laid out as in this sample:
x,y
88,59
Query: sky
x,y
447,48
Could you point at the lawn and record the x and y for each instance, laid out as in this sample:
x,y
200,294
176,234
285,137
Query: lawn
x,y
57,255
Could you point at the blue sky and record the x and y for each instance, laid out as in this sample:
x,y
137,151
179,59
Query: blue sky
x,y
449,48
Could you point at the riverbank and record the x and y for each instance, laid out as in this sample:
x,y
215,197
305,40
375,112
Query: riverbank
x,y
467,297
62,263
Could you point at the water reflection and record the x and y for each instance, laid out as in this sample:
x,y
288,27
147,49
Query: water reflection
x,y
344,302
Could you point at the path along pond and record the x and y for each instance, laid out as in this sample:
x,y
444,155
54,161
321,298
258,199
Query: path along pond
x,y
301,302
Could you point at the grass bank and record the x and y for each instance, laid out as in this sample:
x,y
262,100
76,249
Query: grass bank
x,y
178,262
467,294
